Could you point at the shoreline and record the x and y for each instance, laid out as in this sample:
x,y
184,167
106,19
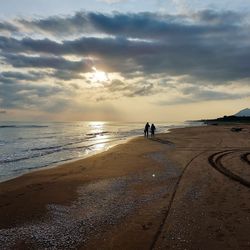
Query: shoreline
x,y
96,153
62,163
144,194
110,144
58,164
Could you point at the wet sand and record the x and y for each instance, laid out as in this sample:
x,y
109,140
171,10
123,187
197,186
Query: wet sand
x,y
188,189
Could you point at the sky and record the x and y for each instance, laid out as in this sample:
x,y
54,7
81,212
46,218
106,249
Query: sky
x,y
126,60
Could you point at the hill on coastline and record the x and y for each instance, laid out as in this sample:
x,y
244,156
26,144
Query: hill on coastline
x,y
242,116
243,112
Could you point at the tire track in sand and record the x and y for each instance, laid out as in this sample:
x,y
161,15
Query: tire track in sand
x,y
215,160
245,158
156,237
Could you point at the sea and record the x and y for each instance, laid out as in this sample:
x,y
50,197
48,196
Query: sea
x,y
29,146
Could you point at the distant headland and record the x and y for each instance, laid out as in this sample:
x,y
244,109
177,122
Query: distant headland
x,y
242,116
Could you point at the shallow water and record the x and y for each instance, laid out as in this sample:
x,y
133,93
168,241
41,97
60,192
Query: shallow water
x,y
26,146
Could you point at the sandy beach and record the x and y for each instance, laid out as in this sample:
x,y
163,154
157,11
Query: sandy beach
x,y
188,189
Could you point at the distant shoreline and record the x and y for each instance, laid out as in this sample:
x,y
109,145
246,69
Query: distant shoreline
x,y
227,120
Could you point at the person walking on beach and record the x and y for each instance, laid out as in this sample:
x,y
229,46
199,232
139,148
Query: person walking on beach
x,y
147,126
152,130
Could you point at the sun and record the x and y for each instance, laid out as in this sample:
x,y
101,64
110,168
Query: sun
x,y
99,76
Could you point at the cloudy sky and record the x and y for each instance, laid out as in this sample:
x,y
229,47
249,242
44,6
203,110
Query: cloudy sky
x,y
163,60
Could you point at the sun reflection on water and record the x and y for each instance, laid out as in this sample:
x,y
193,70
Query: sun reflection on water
x,y
96,124
98,130
99,146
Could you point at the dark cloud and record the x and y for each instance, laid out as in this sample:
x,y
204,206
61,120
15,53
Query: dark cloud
x,y
213,61
113,54
139,25
13,76
66,75
119,89
6,80
34,76
209,45
54,62
26,95
29,45
141,90
85,46
219,18
5,26
116,85
206,47
194,94
198,94
57,25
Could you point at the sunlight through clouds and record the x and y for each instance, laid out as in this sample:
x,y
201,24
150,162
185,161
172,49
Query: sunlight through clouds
x,y
99,76
87,60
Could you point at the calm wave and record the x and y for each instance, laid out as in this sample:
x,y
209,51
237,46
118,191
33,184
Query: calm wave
x,y
28,146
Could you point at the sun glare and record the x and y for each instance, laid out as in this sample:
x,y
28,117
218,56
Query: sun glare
x,y
99,76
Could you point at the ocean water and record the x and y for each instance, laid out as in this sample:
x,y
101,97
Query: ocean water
x,y
26,146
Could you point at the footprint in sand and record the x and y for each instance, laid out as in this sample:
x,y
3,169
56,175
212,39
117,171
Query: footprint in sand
x,y
147,226
21,194
5,205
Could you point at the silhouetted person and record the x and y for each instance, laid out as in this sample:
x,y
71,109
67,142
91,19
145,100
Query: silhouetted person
x,y
152,130
147,126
